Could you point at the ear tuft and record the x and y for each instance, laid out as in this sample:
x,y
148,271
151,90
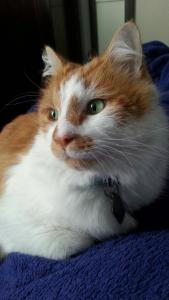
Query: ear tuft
x,y
125,47
52,62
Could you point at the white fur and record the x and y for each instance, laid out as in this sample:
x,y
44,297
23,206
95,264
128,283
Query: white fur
x,y
123,52
45,212
52,210
51,61
72,87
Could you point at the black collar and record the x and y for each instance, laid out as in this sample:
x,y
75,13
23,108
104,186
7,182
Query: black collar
x,y
112,191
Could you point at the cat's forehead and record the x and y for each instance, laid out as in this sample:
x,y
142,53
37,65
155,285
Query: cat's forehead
x,y
80,82
73,96
75,87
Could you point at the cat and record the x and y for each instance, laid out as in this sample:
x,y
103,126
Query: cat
x,y
94,121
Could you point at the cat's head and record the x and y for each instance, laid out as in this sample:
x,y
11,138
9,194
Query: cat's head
x,y
90,109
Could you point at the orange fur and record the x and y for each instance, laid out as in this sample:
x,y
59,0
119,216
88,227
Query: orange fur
x,y
15,139
124,94
72,114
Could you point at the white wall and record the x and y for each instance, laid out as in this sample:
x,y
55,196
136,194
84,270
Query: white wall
x,y
152,17
110,15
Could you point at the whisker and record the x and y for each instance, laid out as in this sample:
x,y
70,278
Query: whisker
x,y
26,101
133,147
34,83
109,155
99,163
13,100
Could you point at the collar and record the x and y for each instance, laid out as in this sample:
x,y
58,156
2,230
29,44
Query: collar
x,y
112,190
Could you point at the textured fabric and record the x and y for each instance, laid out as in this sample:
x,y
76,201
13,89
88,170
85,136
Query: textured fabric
x,y
156,216
131,267
157,58
135,266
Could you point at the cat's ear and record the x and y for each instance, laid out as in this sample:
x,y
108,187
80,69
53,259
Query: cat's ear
x,y
52,62
125,48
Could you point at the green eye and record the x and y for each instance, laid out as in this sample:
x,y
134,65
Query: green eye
x,y
53,115
95,106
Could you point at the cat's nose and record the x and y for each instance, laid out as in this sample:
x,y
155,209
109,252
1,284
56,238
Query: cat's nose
x,y
64,140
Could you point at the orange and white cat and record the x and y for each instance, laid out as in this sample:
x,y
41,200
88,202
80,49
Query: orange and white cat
x,y
94,121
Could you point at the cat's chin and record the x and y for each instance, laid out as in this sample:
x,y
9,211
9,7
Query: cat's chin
x,y
76,161
79,164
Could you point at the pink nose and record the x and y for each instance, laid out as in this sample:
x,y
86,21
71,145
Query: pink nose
x,y
64,140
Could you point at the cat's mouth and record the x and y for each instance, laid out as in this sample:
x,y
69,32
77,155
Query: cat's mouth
x,y
77,159
75,154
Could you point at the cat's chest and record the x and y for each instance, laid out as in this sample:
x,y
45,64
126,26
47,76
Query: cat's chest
x,y
36,186
44,195
40,191
44,191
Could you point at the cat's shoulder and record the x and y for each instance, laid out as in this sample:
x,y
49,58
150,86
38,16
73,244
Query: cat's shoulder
x,y
20,131
15,139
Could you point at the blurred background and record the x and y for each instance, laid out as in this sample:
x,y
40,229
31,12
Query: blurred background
x,y
77,29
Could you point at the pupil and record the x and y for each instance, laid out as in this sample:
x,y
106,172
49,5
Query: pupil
x,y
53,115
94,107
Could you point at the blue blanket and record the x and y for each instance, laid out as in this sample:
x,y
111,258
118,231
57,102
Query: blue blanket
x,y
157,58
134,266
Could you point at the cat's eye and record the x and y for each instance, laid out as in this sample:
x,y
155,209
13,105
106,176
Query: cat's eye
x,y
53,115
95,106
